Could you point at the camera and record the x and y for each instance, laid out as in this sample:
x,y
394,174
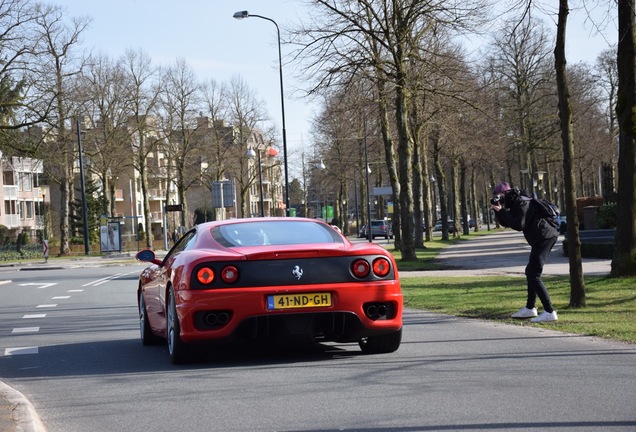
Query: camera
x,y
497,200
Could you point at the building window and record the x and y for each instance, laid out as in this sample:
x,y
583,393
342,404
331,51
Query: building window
x,y
29,209
7,178
25,181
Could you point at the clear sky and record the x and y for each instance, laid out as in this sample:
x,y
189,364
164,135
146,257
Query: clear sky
x,y
217,46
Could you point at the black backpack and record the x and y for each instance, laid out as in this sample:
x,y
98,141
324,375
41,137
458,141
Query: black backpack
x,y
547,210
544,208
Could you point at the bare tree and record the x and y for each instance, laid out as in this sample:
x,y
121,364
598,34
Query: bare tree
x,y
624,261
100,92
181,101
382,38
58,64
608,80
24,100
143,93
577,283
247,115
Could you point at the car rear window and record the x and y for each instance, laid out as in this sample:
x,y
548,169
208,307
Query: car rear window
x,y
288,232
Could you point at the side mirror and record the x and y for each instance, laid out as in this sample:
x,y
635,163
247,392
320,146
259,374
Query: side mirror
x,y
147,255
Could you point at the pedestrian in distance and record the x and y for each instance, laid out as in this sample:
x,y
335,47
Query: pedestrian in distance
x,y
515,209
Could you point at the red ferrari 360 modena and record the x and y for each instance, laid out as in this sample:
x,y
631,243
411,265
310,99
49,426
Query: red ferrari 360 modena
x,y
269,280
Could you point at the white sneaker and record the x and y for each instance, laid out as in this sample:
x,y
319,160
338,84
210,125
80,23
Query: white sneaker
x,y
524,312
545,317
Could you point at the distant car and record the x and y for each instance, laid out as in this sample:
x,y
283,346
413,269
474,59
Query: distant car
x,y
269,280
438,226
381,228
363,232
563,224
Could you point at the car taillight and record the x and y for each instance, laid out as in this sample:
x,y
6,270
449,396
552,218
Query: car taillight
x,y
360,268
381,267
229,274
205,275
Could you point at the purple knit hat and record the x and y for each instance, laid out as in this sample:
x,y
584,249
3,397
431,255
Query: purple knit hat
x,y
501,188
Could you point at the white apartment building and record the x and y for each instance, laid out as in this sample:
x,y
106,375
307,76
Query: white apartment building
x,y
23,199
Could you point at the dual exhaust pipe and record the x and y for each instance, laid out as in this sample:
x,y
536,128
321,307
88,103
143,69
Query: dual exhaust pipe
x,y
376,310
216,319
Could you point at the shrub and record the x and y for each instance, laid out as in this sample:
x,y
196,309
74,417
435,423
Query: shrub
x,y
606,216
593,250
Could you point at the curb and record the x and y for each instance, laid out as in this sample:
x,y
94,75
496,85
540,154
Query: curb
x,y
24,414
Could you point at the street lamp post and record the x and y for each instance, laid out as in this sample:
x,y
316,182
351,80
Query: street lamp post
x,y
367,172
252,154
83,188
246,14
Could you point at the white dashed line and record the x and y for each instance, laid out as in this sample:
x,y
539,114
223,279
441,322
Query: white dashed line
x,y
33,316
26,330
39,285
20,350
75,290
60,297
45,306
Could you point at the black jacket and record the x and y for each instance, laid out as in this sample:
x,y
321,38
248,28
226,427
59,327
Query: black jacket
x,y
521,214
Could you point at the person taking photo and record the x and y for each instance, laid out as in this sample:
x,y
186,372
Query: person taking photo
x,y
514,209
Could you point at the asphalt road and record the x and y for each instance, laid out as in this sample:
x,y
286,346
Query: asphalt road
x,y
85,369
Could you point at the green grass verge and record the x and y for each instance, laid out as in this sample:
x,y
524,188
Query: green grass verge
x,y
610,311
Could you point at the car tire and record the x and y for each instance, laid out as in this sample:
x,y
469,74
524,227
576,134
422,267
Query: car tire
x,y
145,332
177,349
381,344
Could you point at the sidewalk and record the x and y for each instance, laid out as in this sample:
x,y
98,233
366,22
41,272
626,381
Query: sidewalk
x,y
501,253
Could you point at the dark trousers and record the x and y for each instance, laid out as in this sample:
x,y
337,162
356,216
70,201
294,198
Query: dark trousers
x,y
538,254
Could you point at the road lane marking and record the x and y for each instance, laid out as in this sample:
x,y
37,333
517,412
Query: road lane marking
x,y
39,285
75,290
34,316
20,350
60,297
26,330
45,306
108,278
102,280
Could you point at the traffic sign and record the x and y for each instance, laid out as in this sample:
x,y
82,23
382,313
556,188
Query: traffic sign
x,y
45,247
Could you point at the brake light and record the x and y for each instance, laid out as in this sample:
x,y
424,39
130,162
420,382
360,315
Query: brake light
x,y
360,268
381,267
229,274
205,275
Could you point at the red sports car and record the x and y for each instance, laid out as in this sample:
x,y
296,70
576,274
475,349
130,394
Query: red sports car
x,y
270,280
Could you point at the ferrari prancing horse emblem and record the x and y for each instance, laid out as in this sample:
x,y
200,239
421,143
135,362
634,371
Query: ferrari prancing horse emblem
x,y
298,272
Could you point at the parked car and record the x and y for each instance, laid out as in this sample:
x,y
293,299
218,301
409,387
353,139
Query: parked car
x,y
269,280
381,228
438,225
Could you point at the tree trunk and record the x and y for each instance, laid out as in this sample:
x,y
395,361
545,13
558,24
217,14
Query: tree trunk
x,y
624,261
577,284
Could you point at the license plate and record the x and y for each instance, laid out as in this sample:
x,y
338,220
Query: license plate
x,y
291,301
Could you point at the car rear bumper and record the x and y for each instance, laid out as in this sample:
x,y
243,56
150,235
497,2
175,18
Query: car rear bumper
x,y
356,311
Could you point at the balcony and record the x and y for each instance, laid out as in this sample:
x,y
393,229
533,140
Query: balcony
x,y
10,192
156,194
12,220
